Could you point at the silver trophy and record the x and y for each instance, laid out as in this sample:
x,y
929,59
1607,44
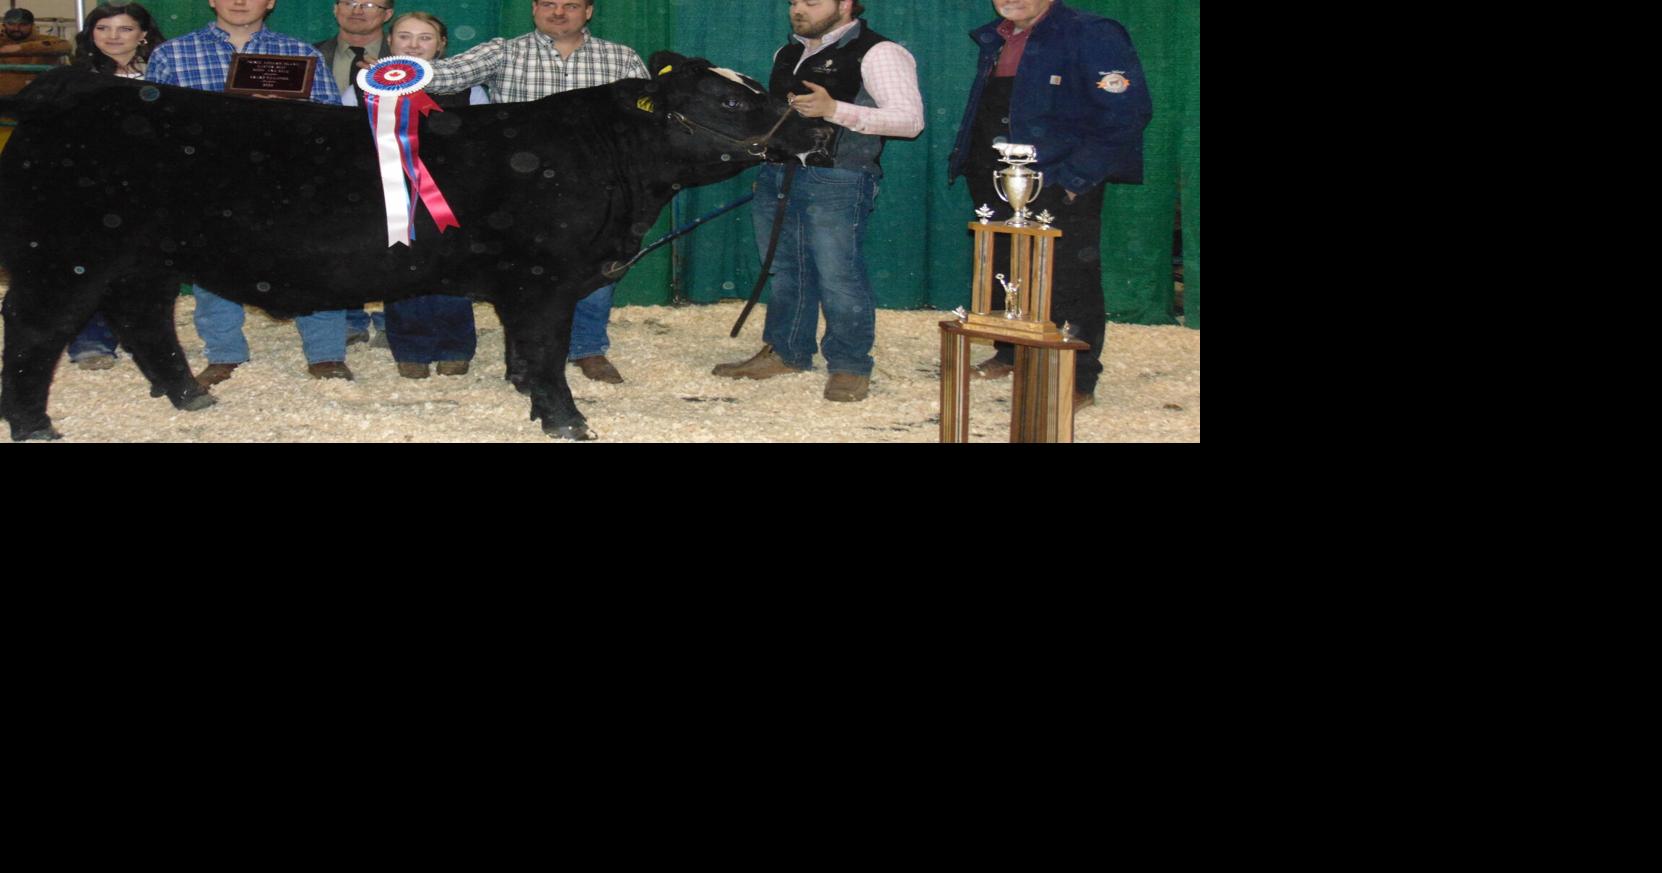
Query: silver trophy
x,y
1017,185
1012,306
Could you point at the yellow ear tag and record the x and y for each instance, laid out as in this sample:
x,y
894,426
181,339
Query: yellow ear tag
x,y
666,69
644,104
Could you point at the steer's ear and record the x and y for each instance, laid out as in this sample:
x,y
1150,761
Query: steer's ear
x,y
664,63
640,95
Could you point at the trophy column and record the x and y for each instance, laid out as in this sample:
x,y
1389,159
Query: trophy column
x,y
1041,400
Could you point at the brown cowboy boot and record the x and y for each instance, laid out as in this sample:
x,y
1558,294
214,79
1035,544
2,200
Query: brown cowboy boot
x,y
765,364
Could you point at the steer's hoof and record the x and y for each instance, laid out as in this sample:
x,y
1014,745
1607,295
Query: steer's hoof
x,y
579,432
44,435
195,404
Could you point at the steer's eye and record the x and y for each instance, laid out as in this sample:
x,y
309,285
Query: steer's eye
x,y
735,104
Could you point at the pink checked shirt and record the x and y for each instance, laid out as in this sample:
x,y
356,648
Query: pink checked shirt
x,y
890,75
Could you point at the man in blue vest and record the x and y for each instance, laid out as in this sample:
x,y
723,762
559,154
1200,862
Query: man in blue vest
x,y
1069,84
838,69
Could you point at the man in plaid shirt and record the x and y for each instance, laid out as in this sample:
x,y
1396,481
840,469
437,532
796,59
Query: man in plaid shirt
x,y
201,59
559,55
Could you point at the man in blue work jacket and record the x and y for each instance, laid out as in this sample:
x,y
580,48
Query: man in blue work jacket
x,y
1069,84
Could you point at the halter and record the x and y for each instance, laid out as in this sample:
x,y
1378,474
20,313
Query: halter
x,y
756,148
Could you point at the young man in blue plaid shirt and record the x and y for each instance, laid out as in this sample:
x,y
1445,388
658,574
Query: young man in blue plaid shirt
x,y
201,59
559,55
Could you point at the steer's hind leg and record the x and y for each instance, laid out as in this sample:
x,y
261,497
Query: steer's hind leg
x,y
541,336
517,367
39,323
141,311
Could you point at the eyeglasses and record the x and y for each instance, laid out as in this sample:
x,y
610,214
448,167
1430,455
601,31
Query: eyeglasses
x,y
361,5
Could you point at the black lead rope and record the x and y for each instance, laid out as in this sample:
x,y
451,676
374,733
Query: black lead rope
x,y
756,148
773,246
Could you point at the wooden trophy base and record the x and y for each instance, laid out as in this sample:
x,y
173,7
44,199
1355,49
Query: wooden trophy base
x,y
1015,327
1041,402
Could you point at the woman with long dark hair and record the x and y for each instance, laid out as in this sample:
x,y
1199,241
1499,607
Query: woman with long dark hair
x,y
116,40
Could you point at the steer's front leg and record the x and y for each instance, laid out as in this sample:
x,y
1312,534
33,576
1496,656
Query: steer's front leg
x,y
540,334
551,401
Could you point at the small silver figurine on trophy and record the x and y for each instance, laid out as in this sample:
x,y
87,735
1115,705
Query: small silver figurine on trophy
x,y
1012,305
1017,185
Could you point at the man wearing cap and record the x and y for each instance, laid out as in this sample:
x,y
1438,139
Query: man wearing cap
x,y
1069,84
201,59
19,44
559,55
835,68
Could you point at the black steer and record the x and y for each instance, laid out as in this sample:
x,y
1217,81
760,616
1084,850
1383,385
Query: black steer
x,y
114,192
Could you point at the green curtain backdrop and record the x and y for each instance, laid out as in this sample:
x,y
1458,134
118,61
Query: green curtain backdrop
x,y
918,246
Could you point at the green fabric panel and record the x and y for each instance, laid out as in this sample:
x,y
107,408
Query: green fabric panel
x,y
1190,179
179,17
1137,220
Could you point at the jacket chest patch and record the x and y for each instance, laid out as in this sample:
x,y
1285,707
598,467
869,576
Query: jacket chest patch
x,y
1055,80
1114,81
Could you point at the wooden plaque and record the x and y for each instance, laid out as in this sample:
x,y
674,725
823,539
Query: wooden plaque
x,y
256,75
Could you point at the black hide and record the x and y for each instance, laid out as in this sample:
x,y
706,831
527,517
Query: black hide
x,y
114,192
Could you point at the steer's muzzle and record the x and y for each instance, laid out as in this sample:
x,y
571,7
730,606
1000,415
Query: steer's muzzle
x,y
809,140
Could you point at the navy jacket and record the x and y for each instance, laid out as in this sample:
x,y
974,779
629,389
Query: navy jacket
x,y
1085,134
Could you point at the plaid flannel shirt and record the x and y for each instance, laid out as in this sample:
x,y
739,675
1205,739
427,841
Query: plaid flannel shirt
x,y
202,58
529,68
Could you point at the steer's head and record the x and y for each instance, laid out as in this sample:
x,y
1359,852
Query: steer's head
x,y
721,121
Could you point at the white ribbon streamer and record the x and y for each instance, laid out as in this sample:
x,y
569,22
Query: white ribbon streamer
x,y
392,171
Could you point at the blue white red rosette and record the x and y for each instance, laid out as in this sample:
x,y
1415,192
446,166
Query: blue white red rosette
x,y
394,99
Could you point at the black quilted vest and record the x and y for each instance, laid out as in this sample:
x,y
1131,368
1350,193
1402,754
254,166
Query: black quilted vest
x,y
837,70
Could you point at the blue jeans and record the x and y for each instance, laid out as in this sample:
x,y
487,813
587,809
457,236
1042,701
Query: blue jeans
x,y
357,321
96,340
819,265
219,323
437,327
588,325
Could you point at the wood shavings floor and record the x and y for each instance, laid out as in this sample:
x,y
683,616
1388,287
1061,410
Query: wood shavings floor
x,y
1149,392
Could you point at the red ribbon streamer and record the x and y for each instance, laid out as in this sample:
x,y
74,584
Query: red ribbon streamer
x,y
421,178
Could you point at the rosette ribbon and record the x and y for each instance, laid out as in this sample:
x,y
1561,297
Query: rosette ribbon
x,y
395,101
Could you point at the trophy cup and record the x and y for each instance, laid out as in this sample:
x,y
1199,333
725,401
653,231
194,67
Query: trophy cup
x,y
1017,185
